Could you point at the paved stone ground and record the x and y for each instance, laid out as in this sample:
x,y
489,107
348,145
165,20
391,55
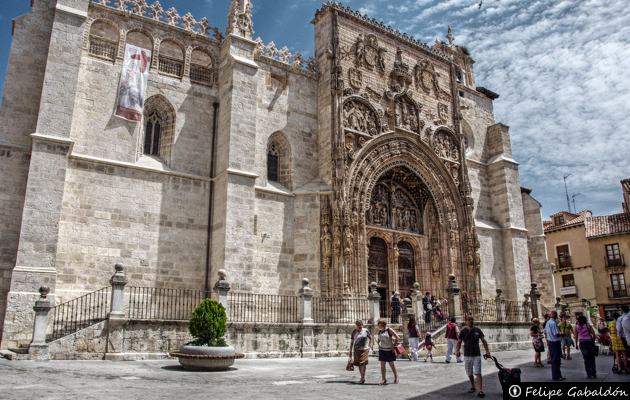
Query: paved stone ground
x,y
264,379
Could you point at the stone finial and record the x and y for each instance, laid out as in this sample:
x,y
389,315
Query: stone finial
x,y
203,26
284,54
222,284
172,16
240,21
139,6
222,274
305,282
449,36
156,11
102,2
499,292
416,286
121,5
306,289
373,286
189,21
43,291
119,278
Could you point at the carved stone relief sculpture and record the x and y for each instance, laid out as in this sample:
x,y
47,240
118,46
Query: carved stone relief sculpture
x,y
445,146
400,78
426,77
355,78
369,54
442,115
407,114
360,117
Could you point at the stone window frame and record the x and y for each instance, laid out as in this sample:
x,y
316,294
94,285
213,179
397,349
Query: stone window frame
x,y
165,62
158,107
278,146
89,38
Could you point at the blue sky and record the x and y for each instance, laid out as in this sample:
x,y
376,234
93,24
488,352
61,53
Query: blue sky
x,y
560,66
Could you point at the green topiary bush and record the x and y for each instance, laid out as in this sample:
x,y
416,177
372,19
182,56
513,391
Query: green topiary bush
x,y
207,324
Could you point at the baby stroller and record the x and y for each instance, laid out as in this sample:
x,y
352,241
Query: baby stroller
x,y
507,376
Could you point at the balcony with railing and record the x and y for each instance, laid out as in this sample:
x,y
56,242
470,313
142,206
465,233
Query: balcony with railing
x,y
615,262
103,48
201,74
171,66
564,262
617,292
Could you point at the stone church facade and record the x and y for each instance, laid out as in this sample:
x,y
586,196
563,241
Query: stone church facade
x,y
378,159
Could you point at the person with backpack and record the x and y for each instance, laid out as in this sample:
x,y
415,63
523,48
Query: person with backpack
x,y
413,333
451,334
387,340
537,342
585,342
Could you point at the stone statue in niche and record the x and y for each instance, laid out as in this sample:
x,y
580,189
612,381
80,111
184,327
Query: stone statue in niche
x,y
408,114
349,147
360,117
369,54
435,260
426,77
399,78
348,239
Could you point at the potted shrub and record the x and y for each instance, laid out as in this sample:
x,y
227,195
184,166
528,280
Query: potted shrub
x,y
208,350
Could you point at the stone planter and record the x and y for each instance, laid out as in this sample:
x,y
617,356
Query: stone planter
x,y
202,358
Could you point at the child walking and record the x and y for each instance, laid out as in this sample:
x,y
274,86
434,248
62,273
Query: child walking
x,y
428,345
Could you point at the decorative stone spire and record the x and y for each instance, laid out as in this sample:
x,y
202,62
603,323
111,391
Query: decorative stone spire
x,y
449,36
240,19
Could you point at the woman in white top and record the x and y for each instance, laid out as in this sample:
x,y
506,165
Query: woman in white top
x,y
387,339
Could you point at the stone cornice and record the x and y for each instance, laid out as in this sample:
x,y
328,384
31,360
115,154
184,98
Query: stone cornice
x,y
234,171
18,147
123,164
71,10
273,190
380,26
40,137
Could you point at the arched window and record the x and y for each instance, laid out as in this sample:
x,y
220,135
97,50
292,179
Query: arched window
x,y
279,160
152,133
459,75
171,59
201,68
159,127
103,40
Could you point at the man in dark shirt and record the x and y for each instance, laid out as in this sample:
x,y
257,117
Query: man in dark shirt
x,y
470,335
426,306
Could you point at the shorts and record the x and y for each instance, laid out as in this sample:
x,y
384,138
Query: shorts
x,y
386,355
472,365
567,341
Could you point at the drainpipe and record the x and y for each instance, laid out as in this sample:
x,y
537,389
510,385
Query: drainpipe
x,y
215,112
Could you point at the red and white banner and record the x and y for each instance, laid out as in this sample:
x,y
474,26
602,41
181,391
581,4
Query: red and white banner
x,y
133,83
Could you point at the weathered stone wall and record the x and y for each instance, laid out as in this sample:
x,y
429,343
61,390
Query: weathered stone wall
x,y
541,271
136,340
152,222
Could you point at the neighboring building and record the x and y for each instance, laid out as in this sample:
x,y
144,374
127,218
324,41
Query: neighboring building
x,y
378,160
568,251
609,244
625,187
540,268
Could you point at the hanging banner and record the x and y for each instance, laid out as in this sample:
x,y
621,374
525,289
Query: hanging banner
x,y
133,83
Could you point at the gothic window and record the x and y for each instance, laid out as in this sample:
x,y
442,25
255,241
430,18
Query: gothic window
x,y
152,135
103,40
201,68
159,125
279,160
171,59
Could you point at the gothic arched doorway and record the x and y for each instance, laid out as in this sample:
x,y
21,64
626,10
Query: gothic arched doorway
x,y
406,268
377,265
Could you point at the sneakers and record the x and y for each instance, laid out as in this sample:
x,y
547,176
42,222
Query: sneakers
x,y
460,361
447,361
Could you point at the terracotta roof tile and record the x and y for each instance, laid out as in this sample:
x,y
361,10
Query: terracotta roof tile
x,y
571,220
607,225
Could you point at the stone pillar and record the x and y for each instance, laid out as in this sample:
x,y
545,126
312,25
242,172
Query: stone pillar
x,y
306,314
38,349
404,320
374,299
118,282
454,300
535,298
527,308
221,288
500,305
416,298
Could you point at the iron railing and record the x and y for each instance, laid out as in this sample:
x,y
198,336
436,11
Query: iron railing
x,y
79,313
340,309
516,312
171,66
615,262
201,74
103,48
267,308
163,303
616,292
564,262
